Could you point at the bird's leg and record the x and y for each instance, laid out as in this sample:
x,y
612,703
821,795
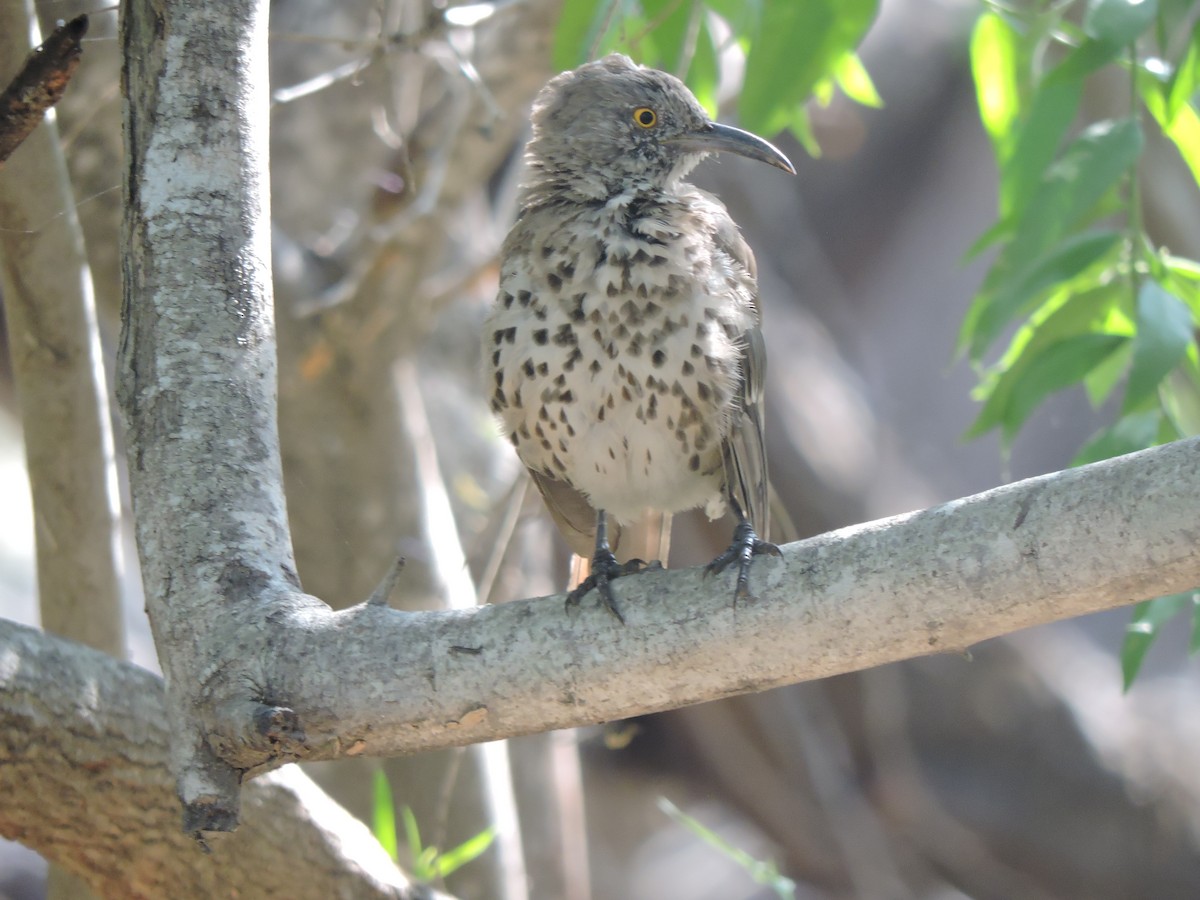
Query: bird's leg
x,y
746,545
604,569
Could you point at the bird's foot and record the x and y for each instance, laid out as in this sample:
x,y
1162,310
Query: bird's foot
x,y
743,548
605,568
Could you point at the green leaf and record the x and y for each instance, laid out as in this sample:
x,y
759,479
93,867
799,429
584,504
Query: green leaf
x,y
763,872
1009,294
995,54
469,850
1050,114
1083,60
801,129
1148,619
1180,398
1118,22
1000,230
1166,432
412,834
1072,187
1186,77
577,30
1182,266
1131,433
854,80
667,30
1065,314
1058,366
822,92
743,17
1184,131
1164,334
797,44
383,818
1103,380
1181,277
424,865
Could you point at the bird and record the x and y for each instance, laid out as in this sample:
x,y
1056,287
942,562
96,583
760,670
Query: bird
x,y
624,346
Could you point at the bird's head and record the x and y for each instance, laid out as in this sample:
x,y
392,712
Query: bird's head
x,y
612,128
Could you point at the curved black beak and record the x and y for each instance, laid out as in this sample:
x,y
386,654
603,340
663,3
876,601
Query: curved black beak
x,y
717,138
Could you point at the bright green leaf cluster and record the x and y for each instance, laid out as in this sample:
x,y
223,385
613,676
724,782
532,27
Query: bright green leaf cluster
x,y
429,865
793,50
1093,301
1095,304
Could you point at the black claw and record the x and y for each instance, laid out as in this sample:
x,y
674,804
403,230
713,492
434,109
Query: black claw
x,y
605,568
743,548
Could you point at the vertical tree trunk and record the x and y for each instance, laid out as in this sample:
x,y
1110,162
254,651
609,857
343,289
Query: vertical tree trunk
x,y
197,354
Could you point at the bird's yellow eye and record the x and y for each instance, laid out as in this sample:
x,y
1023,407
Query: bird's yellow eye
x,y
645,116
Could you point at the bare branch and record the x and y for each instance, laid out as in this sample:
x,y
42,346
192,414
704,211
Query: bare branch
x,y
376,681
39,84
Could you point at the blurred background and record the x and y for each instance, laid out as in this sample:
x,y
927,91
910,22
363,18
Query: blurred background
x,y
1017,770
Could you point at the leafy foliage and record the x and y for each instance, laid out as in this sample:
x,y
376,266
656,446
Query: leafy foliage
x,y
792,50
1094,301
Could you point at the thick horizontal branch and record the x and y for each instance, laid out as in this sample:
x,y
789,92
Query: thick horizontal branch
x,y
376,681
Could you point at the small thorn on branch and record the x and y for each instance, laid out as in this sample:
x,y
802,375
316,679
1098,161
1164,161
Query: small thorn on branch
x,y
39,84
381,594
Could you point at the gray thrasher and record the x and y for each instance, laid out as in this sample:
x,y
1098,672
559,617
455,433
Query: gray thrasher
x,y
624,348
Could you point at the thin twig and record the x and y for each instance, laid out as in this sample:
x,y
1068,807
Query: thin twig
x,y
39,84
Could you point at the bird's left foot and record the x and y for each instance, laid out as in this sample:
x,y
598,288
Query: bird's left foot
x,y
605,569
743,548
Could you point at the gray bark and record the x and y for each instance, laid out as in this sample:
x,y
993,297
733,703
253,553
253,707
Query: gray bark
x,y
83,746
197,354
375,681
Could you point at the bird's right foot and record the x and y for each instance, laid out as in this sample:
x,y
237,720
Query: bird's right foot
x,y
605,568
745,546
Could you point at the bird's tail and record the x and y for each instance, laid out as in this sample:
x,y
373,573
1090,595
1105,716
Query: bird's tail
x,y
649,540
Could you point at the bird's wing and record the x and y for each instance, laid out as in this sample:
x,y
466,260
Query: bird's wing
x,y
573,514
745,449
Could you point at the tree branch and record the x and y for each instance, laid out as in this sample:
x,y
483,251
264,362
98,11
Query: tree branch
x,y
75,723
376,681
39,84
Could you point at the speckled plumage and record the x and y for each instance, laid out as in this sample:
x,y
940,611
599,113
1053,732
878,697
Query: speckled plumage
x,y
624,351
